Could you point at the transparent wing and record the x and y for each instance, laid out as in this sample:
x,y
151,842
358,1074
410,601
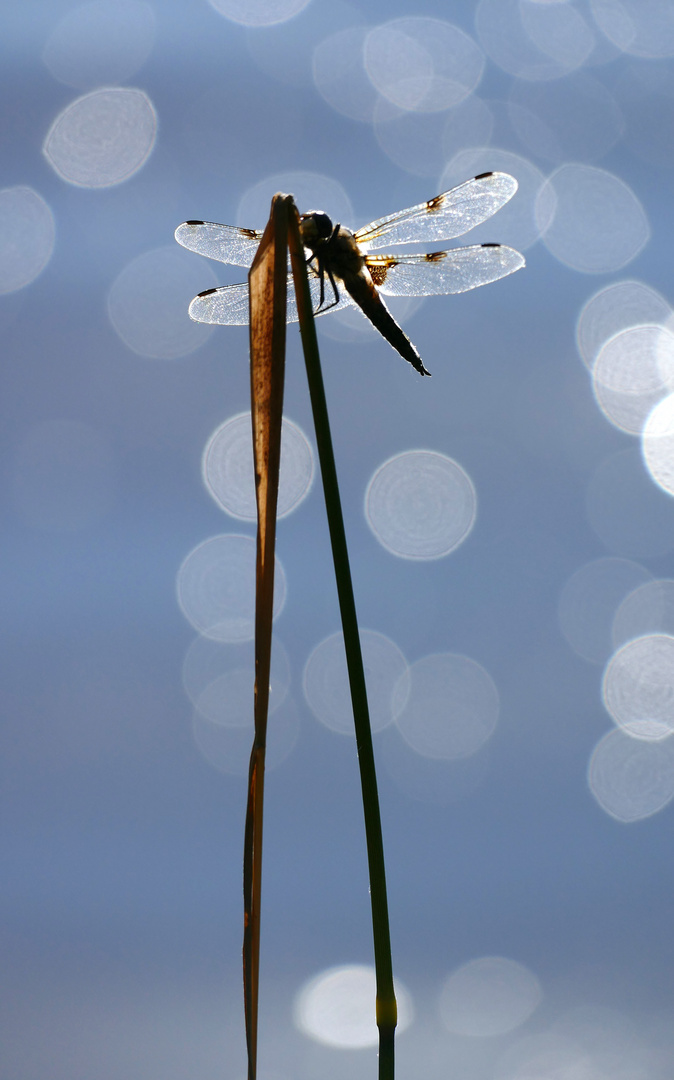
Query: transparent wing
x,y
226,243
228,305
448,215
442,272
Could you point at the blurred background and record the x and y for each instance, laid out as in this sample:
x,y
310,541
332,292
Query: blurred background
x,y
510,521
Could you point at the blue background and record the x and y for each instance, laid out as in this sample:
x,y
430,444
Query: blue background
x,y
121,846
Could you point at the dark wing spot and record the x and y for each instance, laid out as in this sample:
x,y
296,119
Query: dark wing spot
x,y
379,270
435,256
195,222
435,203
208,292
252,233
483,175
490,245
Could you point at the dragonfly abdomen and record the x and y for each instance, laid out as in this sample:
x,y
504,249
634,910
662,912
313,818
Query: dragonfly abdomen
x,y
363,291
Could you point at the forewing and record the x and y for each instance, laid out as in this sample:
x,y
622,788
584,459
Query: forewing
x,y
442,272
228,305
226,243
448,215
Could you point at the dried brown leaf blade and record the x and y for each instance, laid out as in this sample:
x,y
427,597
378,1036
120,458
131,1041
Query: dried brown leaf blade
x,y
268,290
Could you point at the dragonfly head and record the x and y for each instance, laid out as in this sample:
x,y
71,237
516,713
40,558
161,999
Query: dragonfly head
x,y
314,227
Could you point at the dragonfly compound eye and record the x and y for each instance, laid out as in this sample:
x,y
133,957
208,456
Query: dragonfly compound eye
x,y
320,224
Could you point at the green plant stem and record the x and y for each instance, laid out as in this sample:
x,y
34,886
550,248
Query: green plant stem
x,y
386,1009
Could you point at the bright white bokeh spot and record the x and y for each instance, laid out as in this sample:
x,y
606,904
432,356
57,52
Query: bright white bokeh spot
x,y
259,12
312,191
531,40
340,76
642,28
632,778
422,143
488,997
420,505
100,43
575,118
26,237
615,308
148,303
64,476
648,609
228,473
658,444
515,223
102,138
216,588
422,64
589,600
208,664
326,681
633,371
638,686
227,746
337,1007
630,514
590,220
452,706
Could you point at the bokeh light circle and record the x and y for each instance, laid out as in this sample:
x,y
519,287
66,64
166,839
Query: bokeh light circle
x,y
658,444
630,778
149,299
589,600
648,609
26,237
100,43
420,505
488,997
533,41
103,138
515,223
216,588
422,64
590,220
644,28
340,76
632,372
326,681
259,12
452,706
337,1007
226,747
614,308
638,686
208,663
228,473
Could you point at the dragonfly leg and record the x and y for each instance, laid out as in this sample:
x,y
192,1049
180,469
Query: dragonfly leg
x,y
322,270
330,242
335,292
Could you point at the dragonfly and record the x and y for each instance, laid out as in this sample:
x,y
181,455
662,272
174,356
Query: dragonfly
x,y
344,258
